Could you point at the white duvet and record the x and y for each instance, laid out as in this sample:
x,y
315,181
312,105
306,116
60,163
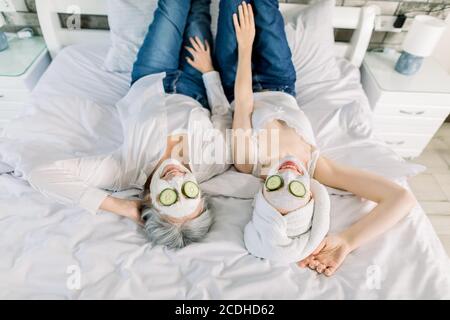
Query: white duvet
x,y
44,245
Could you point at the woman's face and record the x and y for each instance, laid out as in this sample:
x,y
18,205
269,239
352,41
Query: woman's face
x,y
287,186
174,191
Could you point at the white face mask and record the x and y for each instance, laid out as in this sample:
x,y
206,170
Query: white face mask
x,y
292,189
183,206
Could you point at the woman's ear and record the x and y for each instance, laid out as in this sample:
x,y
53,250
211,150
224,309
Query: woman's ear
x,y
147,199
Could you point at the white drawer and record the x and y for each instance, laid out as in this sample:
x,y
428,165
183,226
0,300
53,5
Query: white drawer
x,y
9,114
409,153
412,98
10,110
13,95
3,123
406,125
404,141
411,111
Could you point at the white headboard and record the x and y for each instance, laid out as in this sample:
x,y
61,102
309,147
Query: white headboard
x,y
360,19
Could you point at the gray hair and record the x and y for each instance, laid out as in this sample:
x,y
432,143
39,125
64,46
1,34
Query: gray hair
x,y
173,235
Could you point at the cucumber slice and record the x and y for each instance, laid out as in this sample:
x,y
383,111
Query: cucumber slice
x,y
297,189
168,197
274,183
190,189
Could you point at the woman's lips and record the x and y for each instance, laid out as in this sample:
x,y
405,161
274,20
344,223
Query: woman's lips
x,y
290,165
172,170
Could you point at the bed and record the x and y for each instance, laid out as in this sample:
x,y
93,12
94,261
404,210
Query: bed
x,y
51,251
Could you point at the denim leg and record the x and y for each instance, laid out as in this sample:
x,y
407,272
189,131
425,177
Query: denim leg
x,y
226,50
190,81
161,49
198,24
272,58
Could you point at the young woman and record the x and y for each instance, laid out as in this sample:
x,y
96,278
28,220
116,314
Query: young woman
x,y
258,67
164,117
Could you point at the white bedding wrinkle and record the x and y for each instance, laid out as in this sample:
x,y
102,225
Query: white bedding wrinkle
x,y
40,239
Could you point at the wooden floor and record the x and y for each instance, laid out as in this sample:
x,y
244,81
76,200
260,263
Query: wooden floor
x,y
432,188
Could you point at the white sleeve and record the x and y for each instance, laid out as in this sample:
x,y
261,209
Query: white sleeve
x,y
82,181
140,122
221,113
79,181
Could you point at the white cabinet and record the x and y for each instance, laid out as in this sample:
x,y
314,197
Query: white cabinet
x,y
408,110
21,66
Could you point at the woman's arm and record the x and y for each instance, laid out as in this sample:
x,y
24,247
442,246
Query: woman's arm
x,y
221,114
201,60
243,90
393,203
245,35
122,207
77,182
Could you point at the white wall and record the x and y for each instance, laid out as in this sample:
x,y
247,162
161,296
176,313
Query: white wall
x,y
442,52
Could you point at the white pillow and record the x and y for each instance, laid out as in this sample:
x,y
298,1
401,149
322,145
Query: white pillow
x,y
129,21
311,38
310,34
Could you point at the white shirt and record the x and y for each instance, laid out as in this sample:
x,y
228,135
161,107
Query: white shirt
x,y
148,117
276,105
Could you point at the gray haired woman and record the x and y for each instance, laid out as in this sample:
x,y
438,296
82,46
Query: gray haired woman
x,y
172,142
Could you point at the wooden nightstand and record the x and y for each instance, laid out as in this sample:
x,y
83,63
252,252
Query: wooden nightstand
x,y
21,66
408,110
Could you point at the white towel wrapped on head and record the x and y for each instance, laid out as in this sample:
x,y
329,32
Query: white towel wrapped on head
x,y
292,237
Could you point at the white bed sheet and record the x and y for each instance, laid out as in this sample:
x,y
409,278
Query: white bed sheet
x,y
72,114
79,72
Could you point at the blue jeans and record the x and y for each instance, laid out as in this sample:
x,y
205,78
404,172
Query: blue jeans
x,y
175,21
272,65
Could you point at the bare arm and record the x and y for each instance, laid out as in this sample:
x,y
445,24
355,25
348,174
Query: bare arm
x,y
242,125
126,208
394,202
79,182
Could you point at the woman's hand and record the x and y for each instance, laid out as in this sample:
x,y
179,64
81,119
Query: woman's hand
x,y
201,55
244,26
126,208
328,256
132,210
